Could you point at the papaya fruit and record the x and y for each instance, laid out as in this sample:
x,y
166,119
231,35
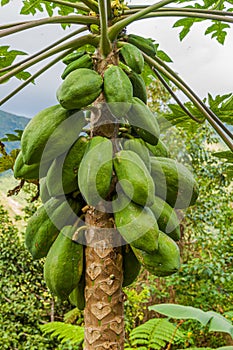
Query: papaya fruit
x,y
166,217
29,172
45,224
79,89
118,90
77,297
62,174
144,44
136,224
44,193
43,138
143,121
84,61
64,264
162,262
138,146
73,56
134,177
174,183
132,57
95,170
131,266
139,86
159,150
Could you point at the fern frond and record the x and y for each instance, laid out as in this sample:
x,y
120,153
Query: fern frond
x,y
155,334
64,332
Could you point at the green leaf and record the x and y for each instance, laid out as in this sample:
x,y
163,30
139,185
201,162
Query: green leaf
x,y
218,31
219,323
186,23
6,163
64,332
7,56
182,312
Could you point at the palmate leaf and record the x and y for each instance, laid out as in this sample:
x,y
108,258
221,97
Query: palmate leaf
x,y
7,57
154,334
217,29
31,7
64,332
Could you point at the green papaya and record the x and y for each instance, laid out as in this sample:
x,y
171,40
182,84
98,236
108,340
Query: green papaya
x,y
166,217
62,174
64,264
137,146
29,172
132,57
159,150
95,170
174,183
134,177
79,89
131,266
162,262
118,90
44,226
44,193
139,86
144,44
73,56
84,61
77,297
143,121
43,138
136,224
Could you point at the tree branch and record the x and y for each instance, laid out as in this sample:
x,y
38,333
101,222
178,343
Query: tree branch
x,y
72,19
44,50
78,6
105,45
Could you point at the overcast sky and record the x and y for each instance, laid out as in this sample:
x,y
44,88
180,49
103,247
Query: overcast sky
x,y
203,63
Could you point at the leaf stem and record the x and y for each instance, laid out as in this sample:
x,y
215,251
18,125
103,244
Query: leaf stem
x,y
186,9
44,50
120,25
92,4
210,116
75,43
78,6
75,19
105,45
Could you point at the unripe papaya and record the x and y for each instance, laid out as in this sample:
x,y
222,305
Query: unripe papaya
x,y
138,146
62,174
132,57
118,90
44,226
44,193
131,266
82,62
64,264
162,262
144,44
79,89
174,183
29,172
135,178
166,217
139,86
73,56
159,150
43,138
95,170
136,224
143,121
77,297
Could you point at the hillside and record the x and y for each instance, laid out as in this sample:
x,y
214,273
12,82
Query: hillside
x,y
8,123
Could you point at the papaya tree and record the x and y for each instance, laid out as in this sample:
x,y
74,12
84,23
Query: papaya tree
x,y
108,187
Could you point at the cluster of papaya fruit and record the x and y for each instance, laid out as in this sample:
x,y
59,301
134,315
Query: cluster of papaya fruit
x,y
131,172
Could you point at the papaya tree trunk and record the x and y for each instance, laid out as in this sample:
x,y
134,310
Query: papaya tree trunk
x,y
103,314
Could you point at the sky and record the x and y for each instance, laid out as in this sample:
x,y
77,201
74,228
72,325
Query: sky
x,y
202,62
